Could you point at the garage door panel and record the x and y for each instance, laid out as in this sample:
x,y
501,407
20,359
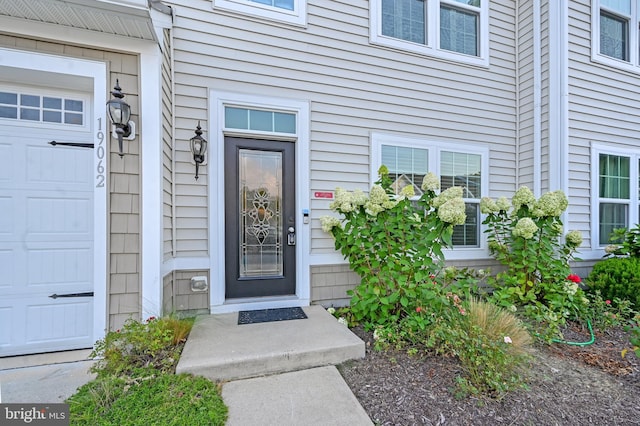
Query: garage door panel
x,y
7,262
60,268
63,215
59,321
50,165
6,163
7,224
6,325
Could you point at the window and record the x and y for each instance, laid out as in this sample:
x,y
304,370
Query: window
x,y
289,11
259,120
618,177
615,29
453,29
43,109
409,160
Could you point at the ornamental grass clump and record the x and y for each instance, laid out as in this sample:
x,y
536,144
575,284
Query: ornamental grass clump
x,y
526,237
394,243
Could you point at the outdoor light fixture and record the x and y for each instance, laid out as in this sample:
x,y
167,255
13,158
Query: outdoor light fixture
x,y
119,113
198,148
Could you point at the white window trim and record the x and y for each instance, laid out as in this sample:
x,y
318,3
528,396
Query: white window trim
x,y
297,16
634,156
218,101
634,34
432,34
434,147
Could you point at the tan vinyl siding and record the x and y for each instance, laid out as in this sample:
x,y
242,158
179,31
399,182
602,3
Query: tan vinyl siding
x,y
177,297
167,149
525,89
544,82
603,108
354,88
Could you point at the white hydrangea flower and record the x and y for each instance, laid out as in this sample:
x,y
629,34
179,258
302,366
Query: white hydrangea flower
x,y
446,195
523,197
329,222
503,204
343,321
430,182
573,238
550,204
525,228
407,192
488,206
377,195
359,198
453,211
331,310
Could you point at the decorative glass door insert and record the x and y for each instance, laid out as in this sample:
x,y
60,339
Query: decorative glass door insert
x,y
261,216
260,255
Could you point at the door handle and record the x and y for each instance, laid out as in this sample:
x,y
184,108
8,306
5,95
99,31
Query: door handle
x,y
291,236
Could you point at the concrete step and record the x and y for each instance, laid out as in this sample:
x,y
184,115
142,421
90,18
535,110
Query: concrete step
x,y
220,349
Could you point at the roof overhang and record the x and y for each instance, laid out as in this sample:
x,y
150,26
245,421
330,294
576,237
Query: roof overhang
x,y
128,18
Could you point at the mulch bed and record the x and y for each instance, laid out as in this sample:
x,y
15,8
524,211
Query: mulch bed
x,y
568,385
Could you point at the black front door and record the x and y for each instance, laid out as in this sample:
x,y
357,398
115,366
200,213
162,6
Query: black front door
x,y
259,218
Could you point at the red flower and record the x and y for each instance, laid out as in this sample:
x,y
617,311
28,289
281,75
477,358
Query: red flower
x,y
419,309
151,319
608,302
574,278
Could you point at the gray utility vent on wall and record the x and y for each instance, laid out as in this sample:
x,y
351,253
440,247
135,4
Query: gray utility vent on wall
x,y
199,284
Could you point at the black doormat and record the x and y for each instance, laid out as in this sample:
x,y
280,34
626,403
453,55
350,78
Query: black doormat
x,y
269,315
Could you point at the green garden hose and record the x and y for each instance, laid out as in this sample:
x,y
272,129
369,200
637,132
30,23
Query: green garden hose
x,y
593,338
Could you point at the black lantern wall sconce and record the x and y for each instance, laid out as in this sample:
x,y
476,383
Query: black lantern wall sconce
x,y
198,148
119,114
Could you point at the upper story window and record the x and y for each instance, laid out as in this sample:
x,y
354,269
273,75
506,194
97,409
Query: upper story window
x,y
409,160
615,29
44,109
451,29
289,11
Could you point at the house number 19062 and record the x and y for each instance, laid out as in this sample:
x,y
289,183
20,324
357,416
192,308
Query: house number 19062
x,y
100,176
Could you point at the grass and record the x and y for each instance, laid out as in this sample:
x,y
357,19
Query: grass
x,y
137,385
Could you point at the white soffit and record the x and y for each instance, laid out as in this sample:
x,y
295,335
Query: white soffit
x,y
119,18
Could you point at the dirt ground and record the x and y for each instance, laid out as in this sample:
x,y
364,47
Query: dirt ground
x,y
568,385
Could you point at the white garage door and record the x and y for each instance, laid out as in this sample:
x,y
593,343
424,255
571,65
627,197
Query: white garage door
x,y
46,224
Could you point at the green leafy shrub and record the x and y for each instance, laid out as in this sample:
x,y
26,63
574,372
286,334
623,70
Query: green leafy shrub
x,y
625,243
156,343
616,278
525,236
394,243
147,398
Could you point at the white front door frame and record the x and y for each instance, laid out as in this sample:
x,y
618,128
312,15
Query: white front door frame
x,y
97,72
218,101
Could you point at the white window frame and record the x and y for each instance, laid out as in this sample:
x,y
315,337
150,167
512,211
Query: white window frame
x,y
633,64
632,203
297,16
431,48
434,148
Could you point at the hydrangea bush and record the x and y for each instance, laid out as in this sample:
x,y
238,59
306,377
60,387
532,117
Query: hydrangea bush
x,y
394,243
526,237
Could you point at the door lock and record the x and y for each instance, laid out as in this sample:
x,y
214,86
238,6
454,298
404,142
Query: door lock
x,y
291,236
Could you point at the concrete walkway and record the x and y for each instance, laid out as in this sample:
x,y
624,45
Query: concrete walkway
x,y
278,373
44,378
